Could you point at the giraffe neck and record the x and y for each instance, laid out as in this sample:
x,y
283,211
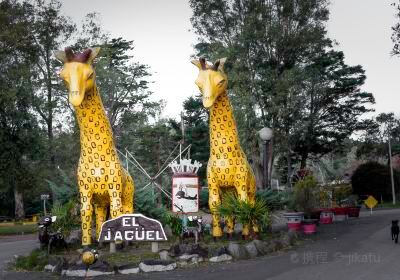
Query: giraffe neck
x,y
223,131
94,126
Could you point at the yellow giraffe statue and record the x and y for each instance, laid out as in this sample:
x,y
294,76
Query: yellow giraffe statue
x,y
102,181
227,167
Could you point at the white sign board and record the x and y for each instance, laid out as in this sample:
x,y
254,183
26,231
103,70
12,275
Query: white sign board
x,y
185,194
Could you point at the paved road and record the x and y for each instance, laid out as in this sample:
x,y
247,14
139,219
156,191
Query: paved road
x,y
16,245
359,249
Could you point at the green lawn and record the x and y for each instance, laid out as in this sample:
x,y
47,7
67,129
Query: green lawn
x,y
17,229
388,205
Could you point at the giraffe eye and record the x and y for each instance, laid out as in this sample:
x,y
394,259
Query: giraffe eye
x,y
220,83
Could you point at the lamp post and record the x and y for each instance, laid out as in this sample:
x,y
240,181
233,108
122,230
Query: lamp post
x,y
266,135
44,197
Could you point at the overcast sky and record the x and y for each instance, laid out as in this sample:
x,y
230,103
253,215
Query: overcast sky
x,y
160,29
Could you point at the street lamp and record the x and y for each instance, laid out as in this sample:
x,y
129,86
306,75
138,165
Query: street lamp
x,y
44,197
266,135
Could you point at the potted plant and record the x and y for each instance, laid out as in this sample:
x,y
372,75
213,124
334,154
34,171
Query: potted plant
x,y
341,193
294,220
305,200
326,213
353,207
255,215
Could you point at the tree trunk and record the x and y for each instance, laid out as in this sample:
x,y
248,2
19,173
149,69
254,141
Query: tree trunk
x,y
19,204
270,160
303,163
289,169
258,172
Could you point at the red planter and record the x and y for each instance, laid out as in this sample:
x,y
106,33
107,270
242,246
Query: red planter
x,y
354,212
310,228
340,210
340,213
294,220
326,216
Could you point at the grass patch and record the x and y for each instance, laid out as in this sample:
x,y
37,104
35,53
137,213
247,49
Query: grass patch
x,y
121,258
17,229
387,205
36,261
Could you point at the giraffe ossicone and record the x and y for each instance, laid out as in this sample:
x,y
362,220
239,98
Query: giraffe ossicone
x,y
228,168
104,186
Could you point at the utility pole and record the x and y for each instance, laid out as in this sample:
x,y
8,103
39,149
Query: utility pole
x,y
391,170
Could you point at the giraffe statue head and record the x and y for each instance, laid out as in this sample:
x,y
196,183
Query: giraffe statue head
x,y
78,72
212,81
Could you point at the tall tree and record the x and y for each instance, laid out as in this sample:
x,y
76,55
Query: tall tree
x,y
123,83
19,132
332,105
50,30
195,118
264,41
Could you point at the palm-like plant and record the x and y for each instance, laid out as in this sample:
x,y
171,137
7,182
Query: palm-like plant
x,y
245,212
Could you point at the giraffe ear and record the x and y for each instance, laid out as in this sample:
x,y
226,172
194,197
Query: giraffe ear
x,y
201,63
93,54
196,62
61,56
220,64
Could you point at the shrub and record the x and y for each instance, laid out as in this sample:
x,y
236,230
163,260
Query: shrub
x,y
245,212
68,217
174,222
306,195
373,178
65,191
203,199
342,192
274,199
35,261
145,203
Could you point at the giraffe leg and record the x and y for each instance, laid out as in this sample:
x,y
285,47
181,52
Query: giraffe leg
x,y
128,194
86,218
101,215
115,203
214,200
252,198
241,189
230,226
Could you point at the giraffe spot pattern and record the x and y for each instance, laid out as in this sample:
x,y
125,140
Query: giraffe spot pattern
x,y
102,182
227,167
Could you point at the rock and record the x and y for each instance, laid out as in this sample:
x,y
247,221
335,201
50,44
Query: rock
x,y
174,250
261,246
164,255
74,237
215,252
293,236
190,249
251,249
285,241
221,258
75,271
274,245
186,260
55,264
197,249
278,244
156,265
186,257
49,268
237,251
168,231
100,268
128,269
